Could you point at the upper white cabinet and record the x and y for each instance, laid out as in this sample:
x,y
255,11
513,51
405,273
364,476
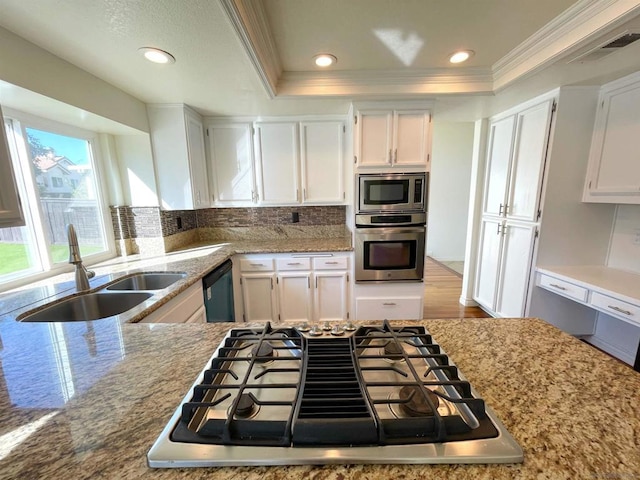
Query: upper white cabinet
x,y
515,162
177,137
231,147
614,161
10,209
322,160
278,162
387,137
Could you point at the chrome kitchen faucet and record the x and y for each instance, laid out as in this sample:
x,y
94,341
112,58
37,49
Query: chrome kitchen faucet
x,y
82,274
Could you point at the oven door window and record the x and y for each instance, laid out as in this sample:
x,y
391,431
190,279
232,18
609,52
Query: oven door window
x,y
386,192
390,255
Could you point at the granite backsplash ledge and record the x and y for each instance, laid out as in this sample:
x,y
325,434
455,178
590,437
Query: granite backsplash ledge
x,y
149,230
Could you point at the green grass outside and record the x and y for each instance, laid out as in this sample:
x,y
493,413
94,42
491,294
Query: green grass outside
x,y
14,256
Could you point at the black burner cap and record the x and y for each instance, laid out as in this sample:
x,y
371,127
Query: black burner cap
x,y
417,405
264,350
246,406
393,350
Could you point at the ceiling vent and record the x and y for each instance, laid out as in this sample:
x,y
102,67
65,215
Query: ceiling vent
x,y
605,47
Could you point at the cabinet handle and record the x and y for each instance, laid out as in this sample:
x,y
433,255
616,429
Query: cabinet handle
x,y
271,283
257,264
389,304
308,282
316,283
297,195
618,309
395,156
498,232
390,157
501,208
304,193
331,263
294,263
559,287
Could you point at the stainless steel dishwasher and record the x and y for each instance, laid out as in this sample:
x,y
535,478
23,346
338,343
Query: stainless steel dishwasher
x,y
218,294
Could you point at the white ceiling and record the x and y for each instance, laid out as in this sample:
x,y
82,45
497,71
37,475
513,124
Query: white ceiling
x,y
384,47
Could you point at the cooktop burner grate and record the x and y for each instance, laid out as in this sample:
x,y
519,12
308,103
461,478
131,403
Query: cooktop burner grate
x,y
378,386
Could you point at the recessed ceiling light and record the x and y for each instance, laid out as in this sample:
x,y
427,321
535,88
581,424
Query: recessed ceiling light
x,y
325,60
461,56
156,55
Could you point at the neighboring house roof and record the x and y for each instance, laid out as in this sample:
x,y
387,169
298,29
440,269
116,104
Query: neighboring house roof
x,y
44,163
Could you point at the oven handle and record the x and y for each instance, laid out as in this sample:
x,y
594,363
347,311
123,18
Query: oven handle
x,y
385,230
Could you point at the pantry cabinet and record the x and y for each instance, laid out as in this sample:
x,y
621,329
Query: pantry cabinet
x,y
613,175
296,287
514,168
231,147
278,162
177,138
393,138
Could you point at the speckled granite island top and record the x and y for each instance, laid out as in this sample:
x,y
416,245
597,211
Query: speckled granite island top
x,y
87,400
196,261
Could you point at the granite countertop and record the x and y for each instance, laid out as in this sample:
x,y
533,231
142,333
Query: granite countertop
x,y
88,399
195,260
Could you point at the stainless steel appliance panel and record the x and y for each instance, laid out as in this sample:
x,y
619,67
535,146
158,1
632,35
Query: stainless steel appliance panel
x,y
384,254
398,192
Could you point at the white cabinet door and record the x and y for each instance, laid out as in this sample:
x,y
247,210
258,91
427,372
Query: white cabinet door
x,y
176,134
411,138
497,170
231,147
197,162
488,268
10,208
529,153
330,296
514,276
277,159
321,156
614,164
374,138
258,295
294,296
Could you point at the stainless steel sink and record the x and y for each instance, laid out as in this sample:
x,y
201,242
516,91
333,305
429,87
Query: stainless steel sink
x,y
91,306
147,281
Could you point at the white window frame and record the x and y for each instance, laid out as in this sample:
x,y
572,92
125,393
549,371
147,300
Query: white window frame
x,y
19,121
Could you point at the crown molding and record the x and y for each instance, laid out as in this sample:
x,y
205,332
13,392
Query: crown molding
x,y
581,23
386,82
249,20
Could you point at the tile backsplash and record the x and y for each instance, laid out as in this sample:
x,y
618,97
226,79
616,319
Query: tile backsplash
x,y
137,227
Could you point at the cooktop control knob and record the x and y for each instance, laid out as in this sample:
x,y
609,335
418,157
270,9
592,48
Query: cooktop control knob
x,y
337,330
349,327
304,327
326,326
315,331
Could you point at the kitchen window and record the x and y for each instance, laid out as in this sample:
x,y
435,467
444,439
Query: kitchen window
x,y
58,179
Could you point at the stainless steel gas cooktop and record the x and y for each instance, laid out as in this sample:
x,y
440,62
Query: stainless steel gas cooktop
x,y
283,395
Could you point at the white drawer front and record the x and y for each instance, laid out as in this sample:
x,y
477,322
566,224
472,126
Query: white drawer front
x,y
331,263
616,307
293,263
408,308
256,265
563,288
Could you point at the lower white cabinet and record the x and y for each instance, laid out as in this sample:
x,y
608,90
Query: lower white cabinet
x,y
389,301
187,307
295,288
502,278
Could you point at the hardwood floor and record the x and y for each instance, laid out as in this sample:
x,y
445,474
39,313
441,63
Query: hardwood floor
x,y
442,293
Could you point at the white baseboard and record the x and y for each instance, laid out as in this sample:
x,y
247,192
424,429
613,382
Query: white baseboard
x,y
626,357
468,302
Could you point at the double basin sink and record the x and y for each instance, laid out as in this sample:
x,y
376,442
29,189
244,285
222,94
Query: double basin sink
x,y
117,298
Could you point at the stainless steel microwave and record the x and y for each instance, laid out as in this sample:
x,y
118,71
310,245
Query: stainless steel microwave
x,y
392,192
